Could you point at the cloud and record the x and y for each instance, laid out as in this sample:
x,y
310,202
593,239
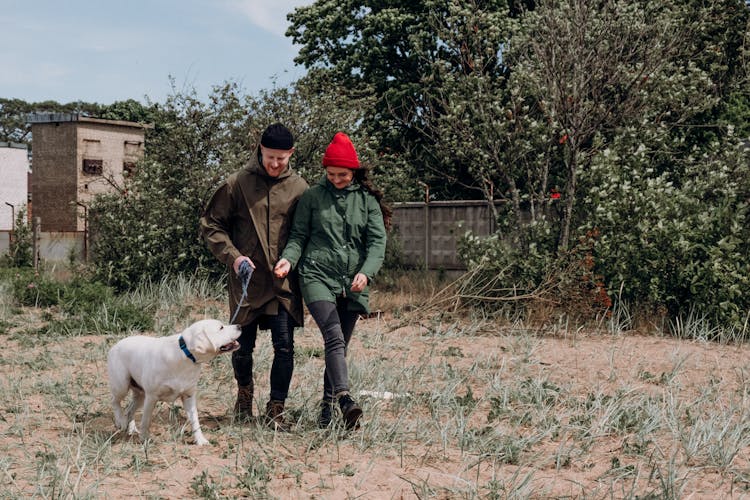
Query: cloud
x,y
268,15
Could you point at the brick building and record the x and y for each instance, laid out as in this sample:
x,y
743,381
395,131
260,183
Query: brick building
x,y
75,158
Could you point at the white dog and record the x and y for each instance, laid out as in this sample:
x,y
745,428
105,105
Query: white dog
x,y
164,368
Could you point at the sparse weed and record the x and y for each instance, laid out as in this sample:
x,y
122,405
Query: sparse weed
x,y
204,486
443,418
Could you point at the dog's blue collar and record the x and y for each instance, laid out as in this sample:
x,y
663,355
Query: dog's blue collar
x,y
187,352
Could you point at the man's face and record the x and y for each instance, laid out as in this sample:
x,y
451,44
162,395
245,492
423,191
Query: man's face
x,y
275,161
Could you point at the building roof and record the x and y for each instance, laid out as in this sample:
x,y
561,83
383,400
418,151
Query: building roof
x,y
77,117
14,145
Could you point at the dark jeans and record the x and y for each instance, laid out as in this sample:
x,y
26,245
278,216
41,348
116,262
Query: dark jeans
x,y
282,336
336,325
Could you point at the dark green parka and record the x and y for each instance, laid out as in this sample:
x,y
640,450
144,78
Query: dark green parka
x,y
336,234
250,214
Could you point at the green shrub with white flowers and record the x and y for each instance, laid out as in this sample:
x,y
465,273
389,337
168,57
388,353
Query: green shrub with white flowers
x,y
676,237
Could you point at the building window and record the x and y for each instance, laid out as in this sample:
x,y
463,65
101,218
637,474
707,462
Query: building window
x,y
92,167
132,152
128,168
132,149
92,147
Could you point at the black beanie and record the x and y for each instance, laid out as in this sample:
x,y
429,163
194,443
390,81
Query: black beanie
x,y
277,136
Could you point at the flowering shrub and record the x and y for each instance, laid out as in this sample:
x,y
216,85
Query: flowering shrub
x,y
529,271
666,235
676,237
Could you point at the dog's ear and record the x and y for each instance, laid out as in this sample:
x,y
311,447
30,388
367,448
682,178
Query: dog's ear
x,y
204,343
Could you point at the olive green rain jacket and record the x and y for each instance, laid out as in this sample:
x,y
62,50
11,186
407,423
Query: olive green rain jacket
x,y
336,234
250,214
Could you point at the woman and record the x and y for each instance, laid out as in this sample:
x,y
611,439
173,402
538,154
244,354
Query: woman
x,y
338,238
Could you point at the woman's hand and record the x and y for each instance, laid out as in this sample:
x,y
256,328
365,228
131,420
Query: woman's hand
x,y
282,268
359,282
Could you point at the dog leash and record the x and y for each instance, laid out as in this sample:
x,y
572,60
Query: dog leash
x,y
245,273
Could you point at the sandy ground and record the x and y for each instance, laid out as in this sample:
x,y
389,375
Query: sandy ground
x,y
57,437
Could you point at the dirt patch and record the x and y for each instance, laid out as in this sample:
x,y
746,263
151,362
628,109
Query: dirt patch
x,y
501,414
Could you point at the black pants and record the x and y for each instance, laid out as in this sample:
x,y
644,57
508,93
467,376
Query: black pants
x,y
282,336
336,325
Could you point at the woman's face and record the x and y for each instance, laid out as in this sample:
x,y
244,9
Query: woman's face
x,y
339,176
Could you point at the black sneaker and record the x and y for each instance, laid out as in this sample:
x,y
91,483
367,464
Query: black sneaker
x,y
326,414
351,411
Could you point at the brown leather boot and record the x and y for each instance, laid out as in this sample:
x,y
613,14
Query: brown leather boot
x,y
243,407
275,416
350,410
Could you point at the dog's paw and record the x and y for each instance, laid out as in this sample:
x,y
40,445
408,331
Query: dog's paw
x,y
200,440
132,428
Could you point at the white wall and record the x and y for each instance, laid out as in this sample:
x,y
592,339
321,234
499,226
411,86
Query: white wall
x,y
14,168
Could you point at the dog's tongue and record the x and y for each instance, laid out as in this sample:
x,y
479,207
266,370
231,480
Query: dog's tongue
x,y
230,346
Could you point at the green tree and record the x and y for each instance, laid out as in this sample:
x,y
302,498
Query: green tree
x,y
390,50
469,117
599,66
722,49
148,228
14,126
129,110
609,101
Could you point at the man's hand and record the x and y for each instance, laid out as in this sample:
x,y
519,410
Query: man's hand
x,y
359,282
282,268
239,260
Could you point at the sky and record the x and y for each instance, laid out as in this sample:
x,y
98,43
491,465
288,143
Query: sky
x,y
107,50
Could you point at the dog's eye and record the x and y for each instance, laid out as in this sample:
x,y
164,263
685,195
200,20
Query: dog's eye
x,y
221,327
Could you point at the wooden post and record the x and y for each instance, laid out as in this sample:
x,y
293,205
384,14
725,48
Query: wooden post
x,y
85,231
427,231
36,240
427,235
12,223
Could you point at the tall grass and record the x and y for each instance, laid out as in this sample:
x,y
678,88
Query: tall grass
x,y
459,421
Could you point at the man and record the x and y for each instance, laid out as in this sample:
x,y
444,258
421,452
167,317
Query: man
x,y
248,220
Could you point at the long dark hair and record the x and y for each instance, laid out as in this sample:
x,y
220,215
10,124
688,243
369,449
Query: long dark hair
x,y
361,175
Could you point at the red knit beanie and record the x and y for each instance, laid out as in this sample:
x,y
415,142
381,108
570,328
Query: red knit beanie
x,y
340,153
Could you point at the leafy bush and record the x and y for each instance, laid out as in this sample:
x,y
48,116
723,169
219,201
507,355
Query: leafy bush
x,y
677,237
149,228
85,306
529,271
33,290
20,250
